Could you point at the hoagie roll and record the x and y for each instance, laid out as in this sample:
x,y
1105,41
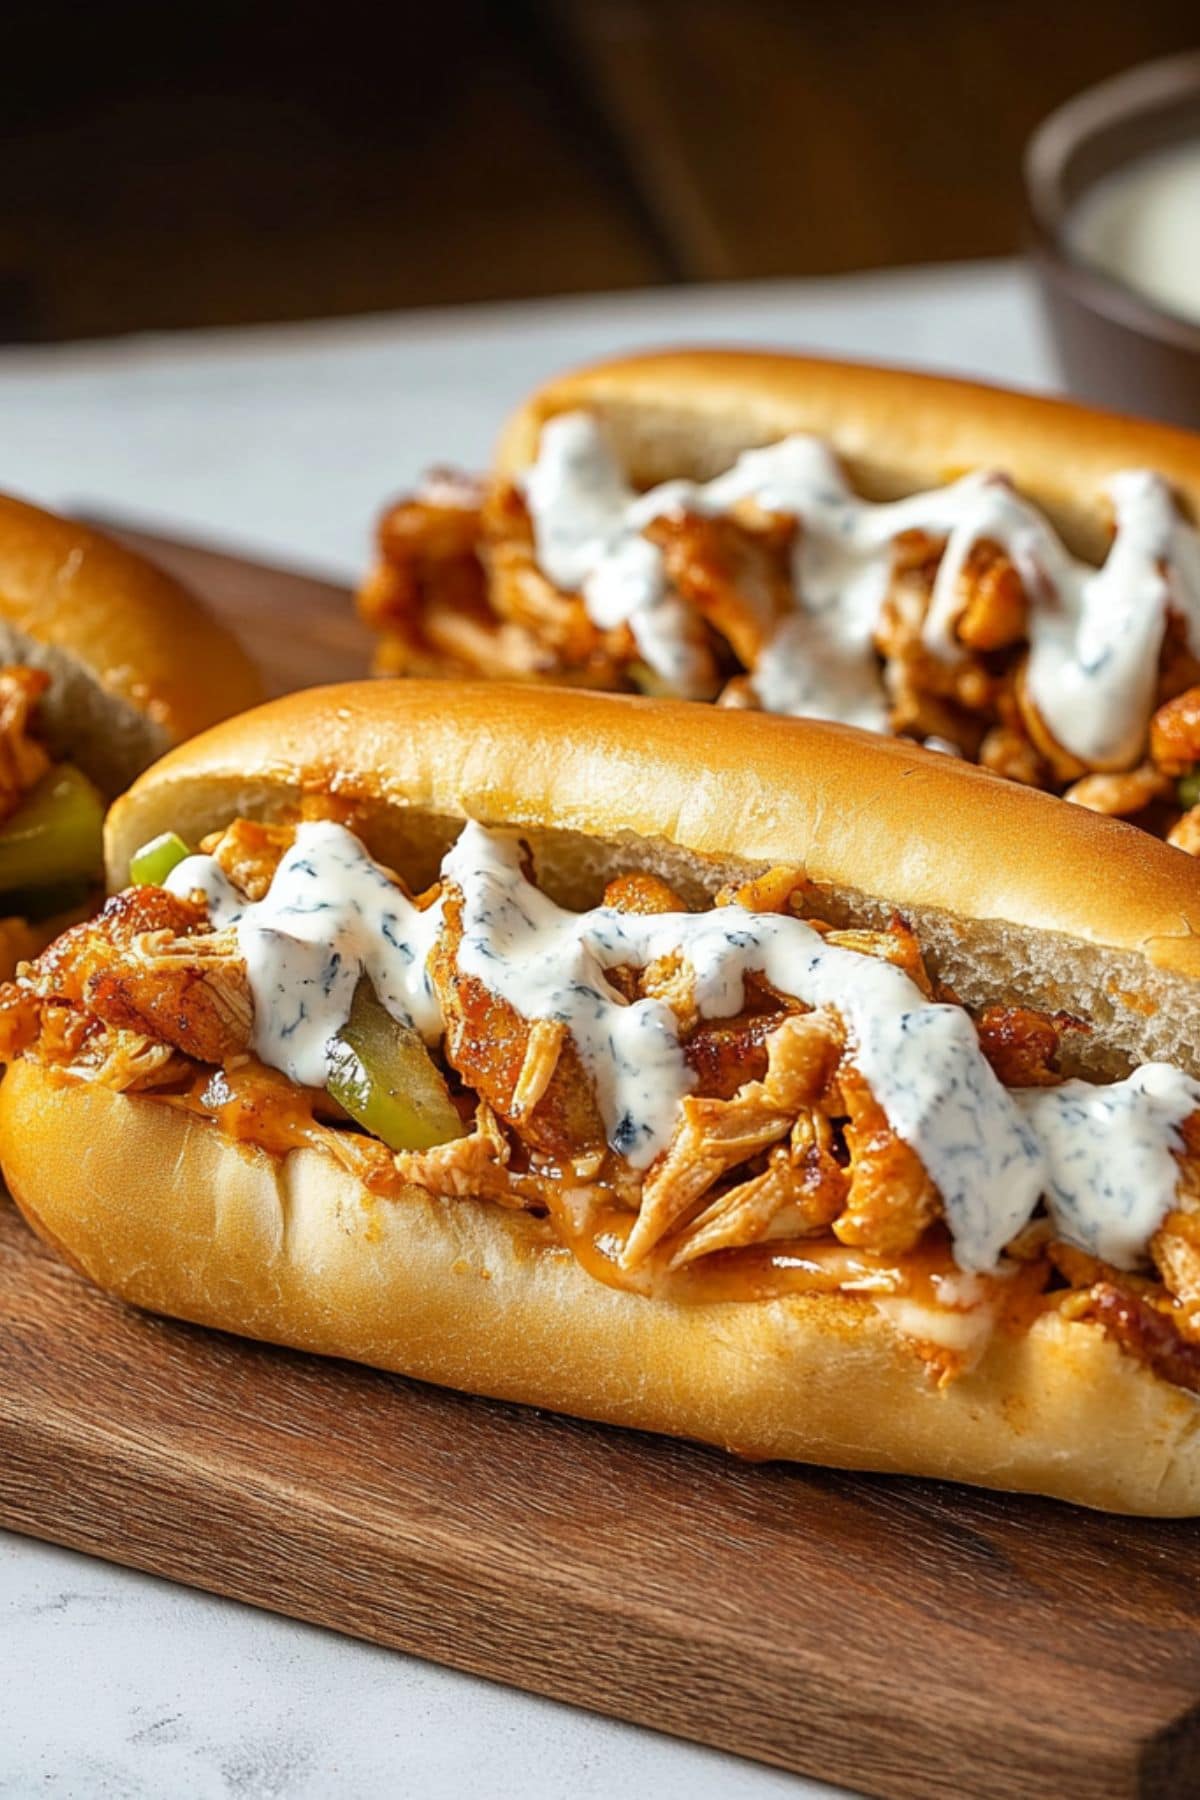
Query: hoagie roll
x,y
1011,579
723,1075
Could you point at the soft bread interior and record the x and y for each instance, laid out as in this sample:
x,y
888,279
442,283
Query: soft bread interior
x,y
83,722
136,663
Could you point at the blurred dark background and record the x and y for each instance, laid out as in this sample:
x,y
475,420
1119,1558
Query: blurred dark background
x,y
170,165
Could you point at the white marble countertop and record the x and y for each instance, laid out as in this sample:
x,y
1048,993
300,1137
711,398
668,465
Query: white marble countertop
x,y
286,441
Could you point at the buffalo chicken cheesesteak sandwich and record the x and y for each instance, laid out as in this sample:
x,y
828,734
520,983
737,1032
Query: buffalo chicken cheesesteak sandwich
x,y
1011,579
104,663
714,1073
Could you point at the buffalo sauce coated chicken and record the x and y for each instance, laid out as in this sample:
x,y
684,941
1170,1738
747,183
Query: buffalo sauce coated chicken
x,y
457,590
50,822
24,758
782,1173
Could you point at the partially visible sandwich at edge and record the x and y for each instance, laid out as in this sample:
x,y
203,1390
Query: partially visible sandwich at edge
x,y
1010,579
105,662
748,1079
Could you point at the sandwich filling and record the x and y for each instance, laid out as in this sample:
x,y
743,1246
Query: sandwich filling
x,y
735,1102
957,617
51,824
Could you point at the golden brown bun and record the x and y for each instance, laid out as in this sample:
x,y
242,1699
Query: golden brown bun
x,y
1020,896
156,1207
136,663
692,412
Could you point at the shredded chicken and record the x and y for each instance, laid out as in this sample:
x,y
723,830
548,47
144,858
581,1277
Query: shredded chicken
x,y
1021,1044
189,992
487,1042
144,965
1007,750
457,589
1146,1332
128,1061
891,1199
250,853
543,1048
726,1053
778,891
640,892
802,1190
898,944
428,544
1185,833
733,573
714,1136
1175,1247
95,947
257,1105
468,1167
1175,734
1120,795
519,593
1155,1315
24,759
995,606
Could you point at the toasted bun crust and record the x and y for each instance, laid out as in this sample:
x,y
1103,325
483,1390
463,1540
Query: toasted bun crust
x,y
136,663
691,412
159,1209
166,1212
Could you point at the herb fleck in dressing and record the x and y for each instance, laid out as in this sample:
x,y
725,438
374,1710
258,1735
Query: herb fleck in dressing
x,y
1100,1155
1095,634
1108,1154
331,916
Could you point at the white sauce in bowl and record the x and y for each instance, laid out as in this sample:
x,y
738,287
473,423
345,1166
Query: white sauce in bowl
x,y
1141,225
1095,634
1101,1155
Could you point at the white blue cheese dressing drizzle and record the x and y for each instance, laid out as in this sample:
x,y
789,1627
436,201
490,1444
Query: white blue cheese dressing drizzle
x,y
1111,1171
331,916
1095,634
1101,1155
922,1061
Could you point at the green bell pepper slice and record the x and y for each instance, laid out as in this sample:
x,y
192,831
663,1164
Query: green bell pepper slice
x,y
55,837
1188,789
384,1077
150,866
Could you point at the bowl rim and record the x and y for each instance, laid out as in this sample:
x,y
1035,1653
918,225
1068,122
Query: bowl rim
x,y
1144,89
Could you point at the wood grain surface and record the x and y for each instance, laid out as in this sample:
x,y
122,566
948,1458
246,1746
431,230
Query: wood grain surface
x,y
300,629
904,1638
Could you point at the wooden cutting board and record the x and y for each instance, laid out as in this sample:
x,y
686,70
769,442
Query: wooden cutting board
x,y
301,631
903,1638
